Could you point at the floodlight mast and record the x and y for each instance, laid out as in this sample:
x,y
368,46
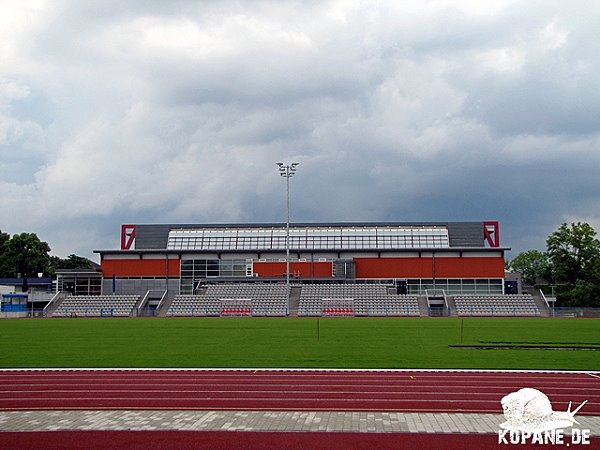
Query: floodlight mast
x,y
287,171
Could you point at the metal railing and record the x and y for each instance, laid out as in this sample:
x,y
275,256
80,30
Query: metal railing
x,y
141,304
51,302
574,312
543,296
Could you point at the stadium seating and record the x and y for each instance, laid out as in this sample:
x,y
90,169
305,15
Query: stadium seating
x,y
195,305
496,305
233,300
265,299
96,306
356,300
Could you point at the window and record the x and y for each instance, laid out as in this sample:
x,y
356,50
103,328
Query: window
x,y
310,238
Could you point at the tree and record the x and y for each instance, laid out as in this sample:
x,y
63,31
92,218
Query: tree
x,y
574,253
26,255
4,237
5,270
531,265
581,294
71,262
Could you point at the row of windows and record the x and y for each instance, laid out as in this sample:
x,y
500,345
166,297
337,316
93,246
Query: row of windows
x,y
193,270
214,265
308,239
80,286
455,287
414,287
308,243
241,232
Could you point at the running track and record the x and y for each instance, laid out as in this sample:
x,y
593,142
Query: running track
x,y
296,390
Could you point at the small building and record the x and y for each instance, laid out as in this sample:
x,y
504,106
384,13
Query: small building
x,y
20,295
79,281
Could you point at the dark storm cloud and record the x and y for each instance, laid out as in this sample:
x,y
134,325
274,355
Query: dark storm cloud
x,y
552,98
152,111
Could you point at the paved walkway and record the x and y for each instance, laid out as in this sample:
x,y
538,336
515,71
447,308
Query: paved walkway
x,y
365,422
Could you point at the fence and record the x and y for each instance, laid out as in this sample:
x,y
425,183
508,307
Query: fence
x,y
575,312
14,314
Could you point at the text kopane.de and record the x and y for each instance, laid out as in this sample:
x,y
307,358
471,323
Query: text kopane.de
x,y
550,437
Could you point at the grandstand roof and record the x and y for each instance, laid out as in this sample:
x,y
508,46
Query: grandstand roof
x,y
338,236
31,281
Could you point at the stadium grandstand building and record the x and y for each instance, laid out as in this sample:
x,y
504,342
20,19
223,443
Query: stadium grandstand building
x,y
457,257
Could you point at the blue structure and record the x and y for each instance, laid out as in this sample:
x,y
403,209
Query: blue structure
x,y
14,302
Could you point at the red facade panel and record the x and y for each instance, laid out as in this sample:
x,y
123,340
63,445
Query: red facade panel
x,y
140,267
308,269
469,267
425,267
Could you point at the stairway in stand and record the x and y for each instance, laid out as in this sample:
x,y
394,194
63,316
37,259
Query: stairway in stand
x,y
423,306
294,300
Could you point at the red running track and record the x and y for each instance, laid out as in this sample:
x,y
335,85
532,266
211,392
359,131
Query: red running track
x,y
416,391
248,440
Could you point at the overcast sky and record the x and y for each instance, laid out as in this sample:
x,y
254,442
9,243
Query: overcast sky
x,y
140,111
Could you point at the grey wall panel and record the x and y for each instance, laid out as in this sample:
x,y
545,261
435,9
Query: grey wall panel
x,y
149,237
465,234
139,286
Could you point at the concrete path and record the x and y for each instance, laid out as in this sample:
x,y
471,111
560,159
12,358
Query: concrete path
x,y
317,421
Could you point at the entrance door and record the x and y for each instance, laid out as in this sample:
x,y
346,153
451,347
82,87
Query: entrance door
x,y
69,286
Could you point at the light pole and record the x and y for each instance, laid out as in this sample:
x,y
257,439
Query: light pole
x,y
287,171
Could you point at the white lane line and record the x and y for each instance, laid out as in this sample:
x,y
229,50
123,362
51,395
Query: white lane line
x,y
155,400
420,390
220,369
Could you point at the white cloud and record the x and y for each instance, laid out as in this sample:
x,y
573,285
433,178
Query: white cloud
x,y
13,131
553,37
504,59
476,8
177,111
174,38
11,91
18,22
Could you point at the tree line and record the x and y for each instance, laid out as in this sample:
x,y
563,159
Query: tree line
x,y
571,262
25,255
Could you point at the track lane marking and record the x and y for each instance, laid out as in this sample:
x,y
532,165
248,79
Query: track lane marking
x,y
493,394
400,379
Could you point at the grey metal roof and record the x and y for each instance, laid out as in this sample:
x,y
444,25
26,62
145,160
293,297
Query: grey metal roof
x,y
463,236
31,281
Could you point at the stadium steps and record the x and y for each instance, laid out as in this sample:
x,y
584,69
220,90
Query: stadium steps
x,y
423,306
138,306
201,290
451,306
50,310
541,304
294,300
162,312
147,303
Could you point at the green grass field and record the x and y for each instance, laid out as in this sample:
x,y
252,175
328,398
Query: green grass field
x,y
490,343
